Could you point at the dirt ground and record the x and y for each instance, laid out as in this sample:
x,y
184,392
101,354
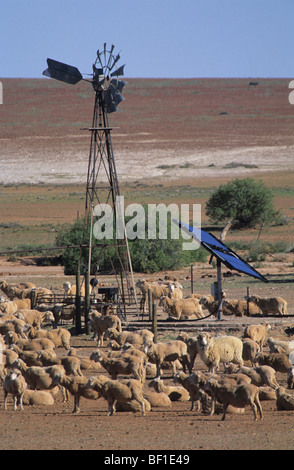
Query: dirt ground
x,y
162,429
164,131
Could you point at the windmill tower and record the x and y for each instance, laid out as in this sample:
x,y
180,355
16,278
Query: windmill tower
x,y
102,181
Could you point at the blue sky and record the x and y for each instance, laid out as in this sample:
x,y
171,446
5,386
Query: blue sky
x,y
155,38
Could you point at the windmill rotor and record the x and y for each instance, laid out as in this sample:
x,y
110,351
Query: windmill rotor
x,y
104,77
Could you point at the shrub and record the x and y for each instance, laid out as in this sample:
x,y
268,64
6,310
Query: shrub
x,y
246,202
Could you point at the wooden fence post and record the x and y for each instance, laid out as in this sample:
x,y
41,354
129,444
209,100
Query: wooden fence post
x,y
154,321
150,308
87,301
78,303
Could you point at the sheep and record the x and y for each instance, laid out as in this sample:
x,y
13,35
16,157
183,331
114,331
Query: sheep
x,y
213,350
119,391
29,344
192,347
285,400
182,308
71,290
12,306
40,378
85,362
35,318
60,337
126,336
78,387
37,397
276,345
170,352
290,379
156,290
278,361
132,405
126,365
257,333
250,349
192,384
13,324
175,393
209,303
236,395
157,399
174,292
260,375
100,323
15,384
272,305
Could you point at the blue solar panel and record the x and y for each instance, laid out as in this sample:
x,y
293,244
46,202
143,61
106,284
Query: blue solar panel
x,y
221,251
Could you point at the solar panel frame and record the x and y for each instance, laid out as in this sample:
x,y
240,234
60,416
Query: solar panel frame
x,y
221,251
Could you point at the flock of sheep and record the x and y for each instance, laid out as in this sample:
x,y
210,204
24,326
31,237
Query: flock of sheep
x,y
39,363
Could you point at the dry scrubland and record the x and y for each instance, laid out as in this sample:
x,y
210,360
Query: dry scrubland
x,y
174,141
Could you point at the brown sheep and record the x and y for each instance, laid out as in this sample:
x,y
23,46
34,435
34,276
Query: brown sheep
x,y
170,352
175,393
272,305
182,308
285,400
257,333
60,336
12,306
128,364
250,349
157,291
278,361
236,395
100,323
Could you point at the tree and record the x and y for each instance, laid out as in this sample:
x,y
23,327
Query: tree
x,y
148,256
247,203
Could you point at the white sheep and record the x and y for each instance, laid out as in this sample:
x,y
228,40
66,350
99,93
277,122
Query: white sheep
x,y
220,349
257,333
276,345
15,384
236,395
170,352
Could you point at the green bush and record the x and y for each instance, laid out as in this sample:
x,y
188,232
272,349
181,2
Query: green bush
x,y
148,256
246,202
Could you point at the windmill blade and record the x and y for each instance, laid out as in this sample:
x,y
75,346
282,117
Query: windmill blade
x,y
116,59
118,72
110,56
63,72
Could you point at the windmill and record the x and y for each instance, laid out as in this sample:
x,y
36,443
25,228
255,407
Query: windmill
x,y
102,180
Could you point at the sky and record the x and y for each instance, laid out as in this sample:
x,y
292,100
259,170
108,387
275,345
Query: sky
x,y
155,38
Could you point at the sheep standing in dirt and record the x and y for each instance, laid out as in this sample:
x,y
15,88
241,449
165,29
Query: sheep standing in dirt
x,y
170,352
119,391
100,323
236,395
157,291
250,349
15,384
128,336
192,347
257,333
181,308
128,364
78,387
220,349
